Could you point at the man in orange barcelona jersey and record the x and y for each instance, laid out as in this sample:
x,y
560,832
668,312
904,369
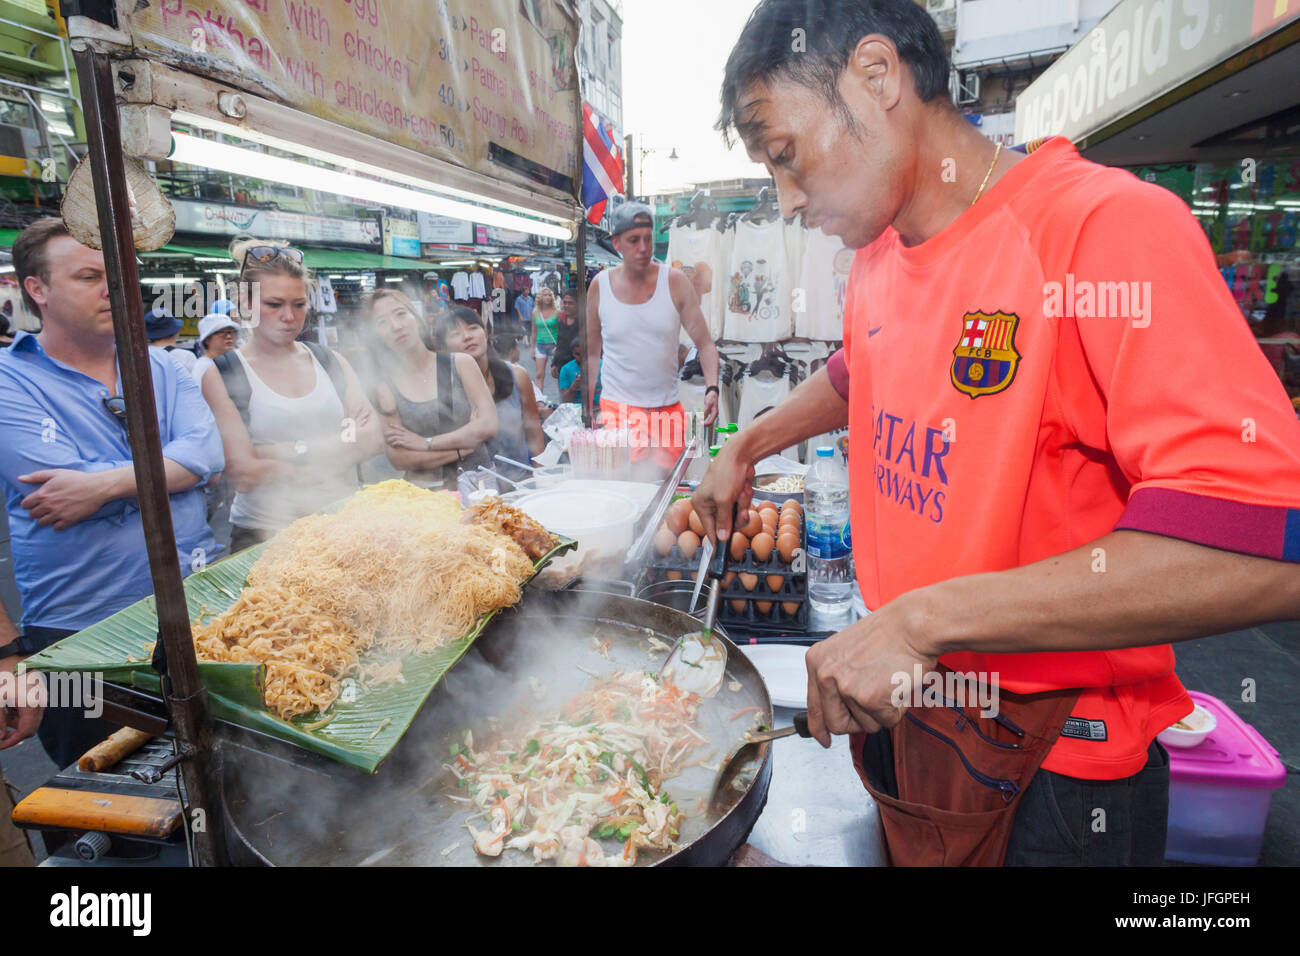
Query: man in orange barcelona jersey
x,y
1067,450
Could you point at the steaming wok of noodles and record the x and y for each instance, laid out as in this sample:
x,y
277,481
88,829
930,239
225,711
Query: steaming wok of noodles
x,y
546,745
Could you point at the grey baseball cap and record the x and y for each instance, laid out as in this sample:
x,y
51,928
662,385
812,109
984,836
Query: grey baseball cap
x,y
631,215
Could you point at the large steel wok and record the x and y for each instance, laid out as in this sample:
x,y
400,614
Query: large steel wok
x,y
281,814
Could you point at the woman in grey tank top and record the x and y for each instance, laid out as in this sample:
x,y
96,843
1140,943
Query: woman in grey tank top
x,y
519,429
437,410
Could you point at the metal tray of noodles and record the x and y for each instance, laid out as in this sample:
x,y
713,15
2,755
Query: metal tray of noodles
x,y
364,728
532,657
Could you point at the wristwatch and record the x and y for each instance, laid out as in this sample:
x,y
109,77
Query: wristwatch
x,y
12,648
712,388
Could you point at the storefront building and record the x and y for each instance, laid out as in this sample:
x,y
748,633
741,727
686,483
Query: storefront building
x,y
1202,98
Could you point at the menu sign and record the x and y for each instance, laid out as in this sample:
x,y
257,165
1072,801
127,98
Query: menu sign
x,y
488,84
220,219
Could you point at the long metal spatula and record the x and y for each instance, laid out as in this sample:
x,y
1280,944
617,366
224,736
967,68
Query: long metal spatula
x,y
725,791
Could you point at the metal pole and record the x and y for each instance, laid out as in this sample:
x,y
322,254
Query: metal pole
x,y
187,702
588,374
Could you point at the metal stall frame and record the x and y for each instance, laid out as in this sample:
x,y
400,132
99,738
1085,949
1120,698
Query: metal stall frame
x,y
150,93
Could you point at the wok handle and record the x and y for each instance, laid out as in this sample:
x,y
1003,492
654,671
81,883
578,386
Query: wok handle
x,y
800,721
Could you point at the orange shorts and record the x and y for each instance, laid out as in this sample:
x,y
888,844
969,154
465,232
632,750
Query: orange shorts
x,y
658,432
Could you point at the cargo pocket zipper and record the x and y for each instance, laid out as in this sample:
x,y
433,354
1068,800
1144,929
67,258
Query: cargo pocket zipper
x,y
1008,787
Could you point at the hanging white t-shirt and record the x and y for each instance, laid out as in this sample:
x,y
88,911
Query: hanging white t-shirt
x,y
477,287
823,281
460,286
697,253
758,284
759,394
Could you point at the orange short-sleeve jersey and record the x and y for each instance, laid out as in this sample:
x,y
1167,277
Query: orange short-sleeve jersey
x,y
1061,361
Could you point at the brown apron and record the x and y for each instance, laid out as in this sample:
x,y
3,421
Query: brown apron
x,y
948,780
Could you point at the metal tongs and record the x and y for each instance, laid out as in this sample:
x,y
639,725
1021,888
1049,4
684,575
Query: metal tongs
x,y
698,661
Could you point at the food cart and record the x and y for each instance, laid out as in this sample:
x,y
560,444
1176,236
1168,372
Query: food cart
x,y
502,145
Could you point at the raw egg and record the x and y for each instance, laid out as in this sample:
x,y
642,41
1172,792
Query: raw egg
x,y
786,545
762,546
753,526
775,582
764,607
790,607
693,520
688,541
739,545
769,521
749,581
674,575
664,540
791,505
738,606
727,579
678,516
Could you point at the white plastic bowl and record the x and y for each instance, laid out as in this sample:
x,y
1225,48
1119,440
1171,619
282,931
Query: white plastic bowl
x,y
1201,723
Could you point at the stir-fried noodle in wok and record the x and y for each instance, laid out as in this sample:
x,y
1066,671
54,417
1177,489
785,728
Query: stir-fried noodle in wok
x,y
595,772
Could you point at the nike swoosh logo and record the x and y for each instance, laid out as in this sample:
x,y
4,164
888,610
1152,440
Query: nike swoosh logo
x,y
871,332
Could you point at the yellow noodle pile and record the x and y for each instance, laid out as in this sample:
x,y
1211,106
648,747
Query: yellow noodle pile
x,y
394,571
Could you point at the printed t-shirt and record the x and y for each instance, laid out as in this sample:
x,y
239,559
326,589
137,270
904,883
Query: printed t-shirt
x,y
1019,409
758,284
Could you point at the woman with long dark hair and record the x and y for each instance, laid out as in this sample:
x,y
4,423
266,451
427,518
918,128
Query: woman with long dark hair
x,y
519,433
436,408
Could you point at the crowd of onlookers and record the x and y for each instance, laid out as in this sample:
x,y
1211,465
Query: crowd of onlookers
x,y
256,422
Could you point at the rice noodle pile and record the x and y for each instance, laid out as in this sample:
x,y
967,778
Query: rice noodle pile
x,y
394,572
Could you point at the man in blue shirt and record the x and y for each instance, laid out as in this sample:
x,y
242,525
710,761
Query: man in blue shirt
x,y
65,464
524,309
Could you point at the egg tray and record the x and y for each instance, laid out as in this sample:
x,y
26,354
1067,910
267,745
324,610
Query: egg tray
x,y
777,620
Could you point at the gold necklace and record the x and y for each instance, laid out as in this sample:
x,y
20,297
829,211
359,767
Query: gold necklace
x,y
996,153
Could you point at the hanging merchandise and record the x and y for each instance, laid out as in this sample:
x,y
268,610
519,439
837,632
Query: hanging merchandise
x,y
698,253
766,384
323,300
477,286
460,286
759,283
823,279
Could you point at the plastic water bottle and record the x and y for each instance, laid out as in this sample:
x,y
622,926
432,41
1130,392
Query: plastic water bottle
x,y
830,548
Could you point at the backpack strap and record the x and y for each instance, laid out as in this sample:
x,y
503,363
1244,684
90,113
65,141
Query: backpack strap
x,y
235,378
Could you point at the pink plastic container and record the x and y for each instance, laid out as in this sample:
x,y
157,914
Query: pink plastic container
x,y
1219,792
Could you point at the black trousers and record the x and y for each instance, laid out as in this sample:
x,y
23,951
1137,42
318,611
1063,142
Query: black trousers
x,y
65,732
1065,821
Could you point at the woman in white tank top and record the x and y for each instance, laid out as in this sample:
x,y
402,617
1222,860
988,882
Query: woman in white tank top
x,y
299,450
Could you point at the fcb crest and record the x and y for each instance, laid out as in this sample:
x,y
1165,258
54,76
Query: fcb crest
x,y
985,358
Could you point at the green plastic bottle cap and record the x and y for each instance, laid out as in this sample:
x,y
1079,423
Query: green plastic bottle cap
x,y
729,429
713,450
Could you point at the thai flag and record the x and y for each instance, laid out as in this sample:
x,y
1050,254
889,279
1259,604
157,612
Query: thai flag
x,y
602,164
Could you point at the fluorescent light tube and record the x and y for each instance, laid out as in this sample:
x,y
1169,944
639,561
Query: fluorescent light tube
x,y
245,162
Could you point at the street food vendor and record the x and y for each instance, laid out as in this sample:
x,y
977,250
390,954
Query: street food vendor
x,y
1067,452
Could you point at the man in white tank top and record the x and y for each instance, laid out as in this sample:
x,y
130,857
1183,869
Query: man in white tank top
x,y
635,313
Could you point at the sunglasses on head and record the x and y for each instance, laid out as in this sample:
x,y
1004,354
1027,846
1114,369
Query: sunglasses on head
x,y
116,406
270,253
